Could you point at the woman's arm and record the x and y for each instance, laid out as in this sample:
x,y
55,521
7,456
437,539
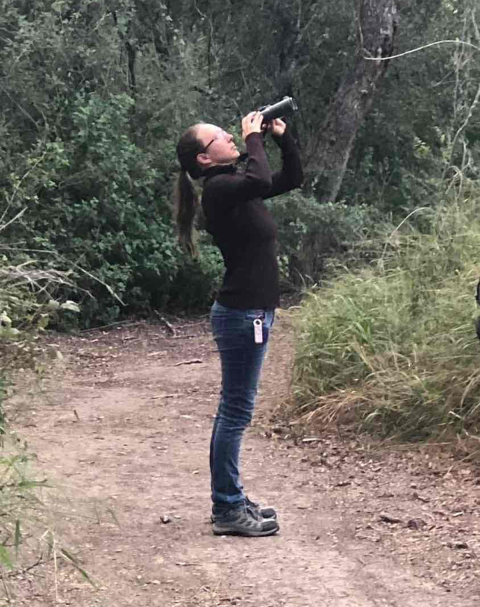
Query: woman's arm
x,y
290,176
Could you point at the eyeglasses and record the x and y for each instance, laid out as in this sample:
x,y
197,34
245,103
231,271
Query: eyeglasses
x,y
221,135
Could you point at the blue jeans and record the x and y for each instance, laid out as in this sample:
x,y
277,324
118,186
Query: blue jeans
x,y
241,361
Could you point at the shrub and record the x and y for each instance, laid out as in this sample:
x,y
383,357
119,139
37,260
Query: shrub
x,y
310,233
100,203
392,347
197,281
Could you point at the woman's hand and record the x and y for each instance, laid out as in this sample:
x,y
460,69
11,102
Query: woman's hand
x,y
276,127
251,123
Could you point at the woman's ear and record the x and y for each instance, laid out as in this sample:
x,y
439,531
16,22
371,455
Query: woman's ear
x,y
203,160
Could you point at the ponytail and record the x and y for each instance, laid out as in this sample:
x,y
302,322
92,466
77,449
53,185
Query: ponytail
x,y
186,205
185,196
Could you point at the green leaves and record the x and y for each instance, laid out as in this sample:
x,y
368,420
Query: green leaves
x,y
391,347
101,209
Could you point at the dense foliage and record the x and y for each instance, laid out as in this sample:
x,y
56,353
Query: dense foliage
x,y
95,94
392,347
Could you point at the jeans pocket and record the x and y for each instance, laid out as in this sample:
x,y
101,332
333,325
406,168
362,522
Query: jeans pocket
x,y
226,321
254,314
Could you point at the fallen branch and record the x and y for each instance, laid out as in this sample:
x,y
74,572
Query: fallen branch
x,y
188,362
167,324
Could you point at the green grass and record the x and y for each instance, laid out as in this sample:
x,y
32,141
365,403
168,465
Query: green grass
x,y
28,521
19,499
391,348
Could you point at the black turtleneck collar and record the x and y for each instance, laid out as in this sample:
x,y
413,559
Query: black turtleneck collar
x,y
224,168
219,169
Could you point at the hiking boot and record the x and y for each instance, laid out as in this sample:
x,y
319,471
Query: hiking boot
x,y
260,512
257,511
244,522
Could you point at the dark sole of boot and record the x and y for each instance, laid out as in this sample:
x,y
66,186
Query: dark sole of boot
x,y
272,518
241,532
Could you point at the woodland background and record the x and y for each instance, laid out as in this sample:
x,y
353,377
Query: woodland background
x,y
94,95
383,240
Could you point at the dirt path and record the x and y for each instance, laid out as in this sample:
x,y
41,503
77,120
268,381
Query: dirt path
x,y
125,430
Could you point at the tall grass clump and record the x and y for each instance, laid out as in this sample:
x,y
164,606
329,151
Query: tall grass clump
x,y
26,306
391,348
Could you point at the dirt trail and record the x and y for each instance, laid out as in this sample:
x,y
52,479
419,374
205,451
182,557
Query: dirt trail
x,y
125,430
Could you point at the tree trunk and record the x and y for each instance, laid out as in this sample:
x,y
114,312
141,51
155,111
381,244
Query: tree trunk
x,y
328,154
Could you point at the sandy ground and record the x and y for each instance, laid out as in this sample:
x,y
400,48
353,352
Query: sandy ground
x,y
121,429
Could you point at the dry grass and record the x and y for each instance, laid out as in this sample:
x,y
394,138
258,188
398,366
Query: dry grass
x,y
392,347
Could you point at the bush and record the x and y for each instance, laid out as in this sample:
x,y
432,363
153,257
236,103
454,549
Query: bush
x,y
197,281
392,348
100,204
24,312
310,233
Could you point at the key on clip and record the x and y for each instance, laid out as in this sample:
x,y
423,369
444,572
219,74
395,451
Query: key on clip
x,y
258,330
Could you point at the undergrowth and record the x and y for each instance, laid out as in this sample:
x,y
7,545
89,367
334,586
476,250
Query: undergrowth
x,y
391,348
27,523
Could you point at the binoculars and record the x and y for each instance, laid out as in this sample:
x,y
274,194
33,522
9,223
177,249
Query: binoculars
x,y
285,107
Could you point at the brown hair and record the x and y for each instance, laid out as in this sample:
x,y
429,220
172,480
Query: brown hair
x,y
185,197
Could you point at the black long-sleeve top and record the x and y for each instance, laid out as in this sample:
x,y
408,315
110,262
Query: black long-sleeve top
x,y
242,226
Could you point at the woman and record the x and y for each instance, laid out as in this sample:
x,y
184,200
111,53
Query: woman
x,y
243,314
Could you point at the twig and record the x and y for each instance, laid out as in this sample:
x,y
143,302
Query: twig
x,y
164,396
194,324
26,569
421,48
5,587
17,187
3,226
466,121
188,362
187,336
56,570
126,323
417,210
166,323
